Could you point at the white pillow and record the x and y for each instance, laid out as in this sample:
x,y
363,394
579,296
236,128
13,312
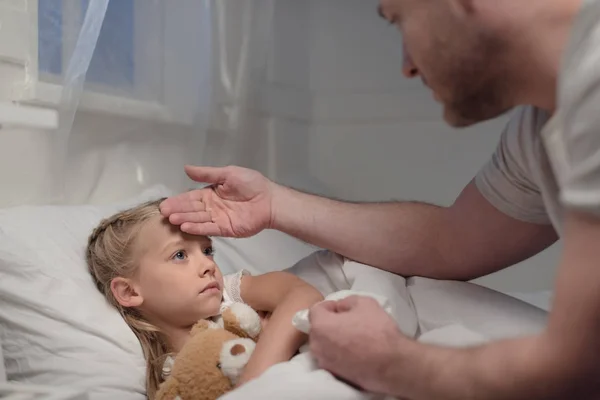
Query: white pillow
x,y
56,328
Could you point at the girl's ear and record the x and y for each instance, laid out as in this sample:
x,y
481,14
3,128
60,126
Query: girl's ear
x,y
125,292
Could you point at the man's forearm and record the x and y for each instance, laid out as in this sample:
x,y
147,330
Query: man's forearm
x,y
515,369
393,236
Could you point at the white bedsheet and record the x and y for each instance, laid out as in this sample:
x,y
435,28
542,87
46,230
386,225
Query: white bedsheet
x,y
540,298
300,379
2,368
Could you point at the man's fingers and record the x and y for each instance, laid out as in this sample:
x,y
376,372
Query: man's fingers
x,y
201,229
321,310
328,307
348,303
194,217
183,203
212,175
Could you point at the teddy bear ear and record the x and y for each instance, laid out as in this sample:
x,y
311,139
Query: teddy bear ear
x,y
203,325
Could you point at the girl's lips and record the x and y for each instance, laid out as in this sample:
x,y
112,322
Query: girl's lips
x,y
211,288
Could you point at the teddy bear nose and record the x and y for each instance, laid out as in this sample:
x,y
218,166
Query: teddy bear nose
x,y
237,349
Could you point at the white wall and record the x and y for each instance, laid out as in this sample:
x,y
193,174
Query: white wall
x,y
332,115
372,134
110,158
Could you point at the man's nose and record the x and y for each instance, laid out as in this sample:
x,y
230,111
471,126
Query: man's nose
x,y
409,69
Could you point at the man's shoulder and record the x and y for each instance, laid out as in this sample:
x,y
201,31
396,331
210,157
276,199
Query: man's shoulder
x,y
579,67
523,129
572,141
583,35
509,179
529,119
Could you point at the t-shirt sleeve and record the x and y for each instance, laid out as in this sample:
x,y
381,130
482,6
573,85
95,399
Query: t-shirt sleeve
x,y
232,285
506,180
573,141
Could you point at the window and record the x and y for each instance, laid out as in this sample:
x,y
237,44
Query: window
x,y
114,48
49,30
113,62
151,59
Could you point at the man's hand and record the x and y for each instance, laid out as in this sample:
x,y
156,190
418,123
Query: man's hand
x,y
236,204
356,340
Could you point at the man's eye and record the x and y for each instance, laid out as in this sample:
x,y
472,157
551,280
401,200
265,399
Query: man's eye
x,y
209,251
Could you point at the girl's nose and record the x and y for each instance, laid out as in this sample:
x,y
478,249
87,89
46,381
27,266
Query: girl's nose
x,y
207,268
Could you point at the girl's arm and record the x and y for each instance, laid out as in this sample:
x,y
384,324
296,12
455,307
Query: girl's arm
x,y
282,294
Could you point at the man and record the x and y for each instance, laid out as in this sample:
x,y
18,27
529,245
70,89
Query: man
x,y
480,58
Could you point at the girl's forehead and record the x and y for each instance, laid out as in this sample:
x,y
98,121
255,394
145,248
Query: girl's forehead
x,y
158,224
158,230
153,232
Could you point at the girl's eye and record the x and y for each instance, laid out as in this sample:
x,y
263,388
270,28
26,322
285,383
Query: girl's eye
x,y
209,251
180,255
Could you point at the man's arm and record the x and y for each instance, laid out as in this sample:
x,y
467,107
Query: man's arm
x,y
469,239
561,363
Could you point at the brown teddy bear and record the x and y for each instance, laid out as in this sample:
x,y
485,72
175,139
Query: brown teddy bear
x,y
212,360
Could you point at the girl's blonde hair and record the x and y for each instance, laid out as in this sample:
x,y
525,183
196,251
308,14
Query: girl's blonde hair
x,y
109,255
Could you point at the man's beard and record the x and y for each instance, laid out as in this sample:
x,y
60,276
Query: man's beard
x,y
469,108
480,92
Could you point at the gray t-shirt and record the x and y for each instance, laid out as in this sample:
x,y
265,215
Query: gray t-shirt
x,y
545,164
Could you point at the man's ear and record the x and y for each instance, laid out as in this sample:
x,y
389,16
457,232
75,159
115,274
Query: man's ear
x,y
125,292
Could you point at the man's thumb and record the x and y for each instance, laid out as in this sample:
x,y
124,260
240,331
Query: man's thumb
x,y
212,175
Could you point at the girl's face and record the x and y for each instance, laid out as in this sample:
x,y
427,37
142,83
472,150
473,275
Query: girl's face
x,y
177,281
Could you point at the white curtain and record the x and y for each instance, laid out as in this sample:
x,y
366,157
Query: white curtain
x,y
242,45
141,73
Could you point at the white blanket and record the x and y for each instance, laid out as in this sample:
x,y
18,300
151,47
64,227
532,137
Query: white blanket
x,y
300,379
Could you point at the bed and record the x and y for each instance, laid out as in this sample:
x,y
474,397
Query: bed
x,y
57,330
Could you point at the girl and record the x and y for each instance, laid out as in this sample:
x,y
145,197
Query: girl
x,y
162,281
